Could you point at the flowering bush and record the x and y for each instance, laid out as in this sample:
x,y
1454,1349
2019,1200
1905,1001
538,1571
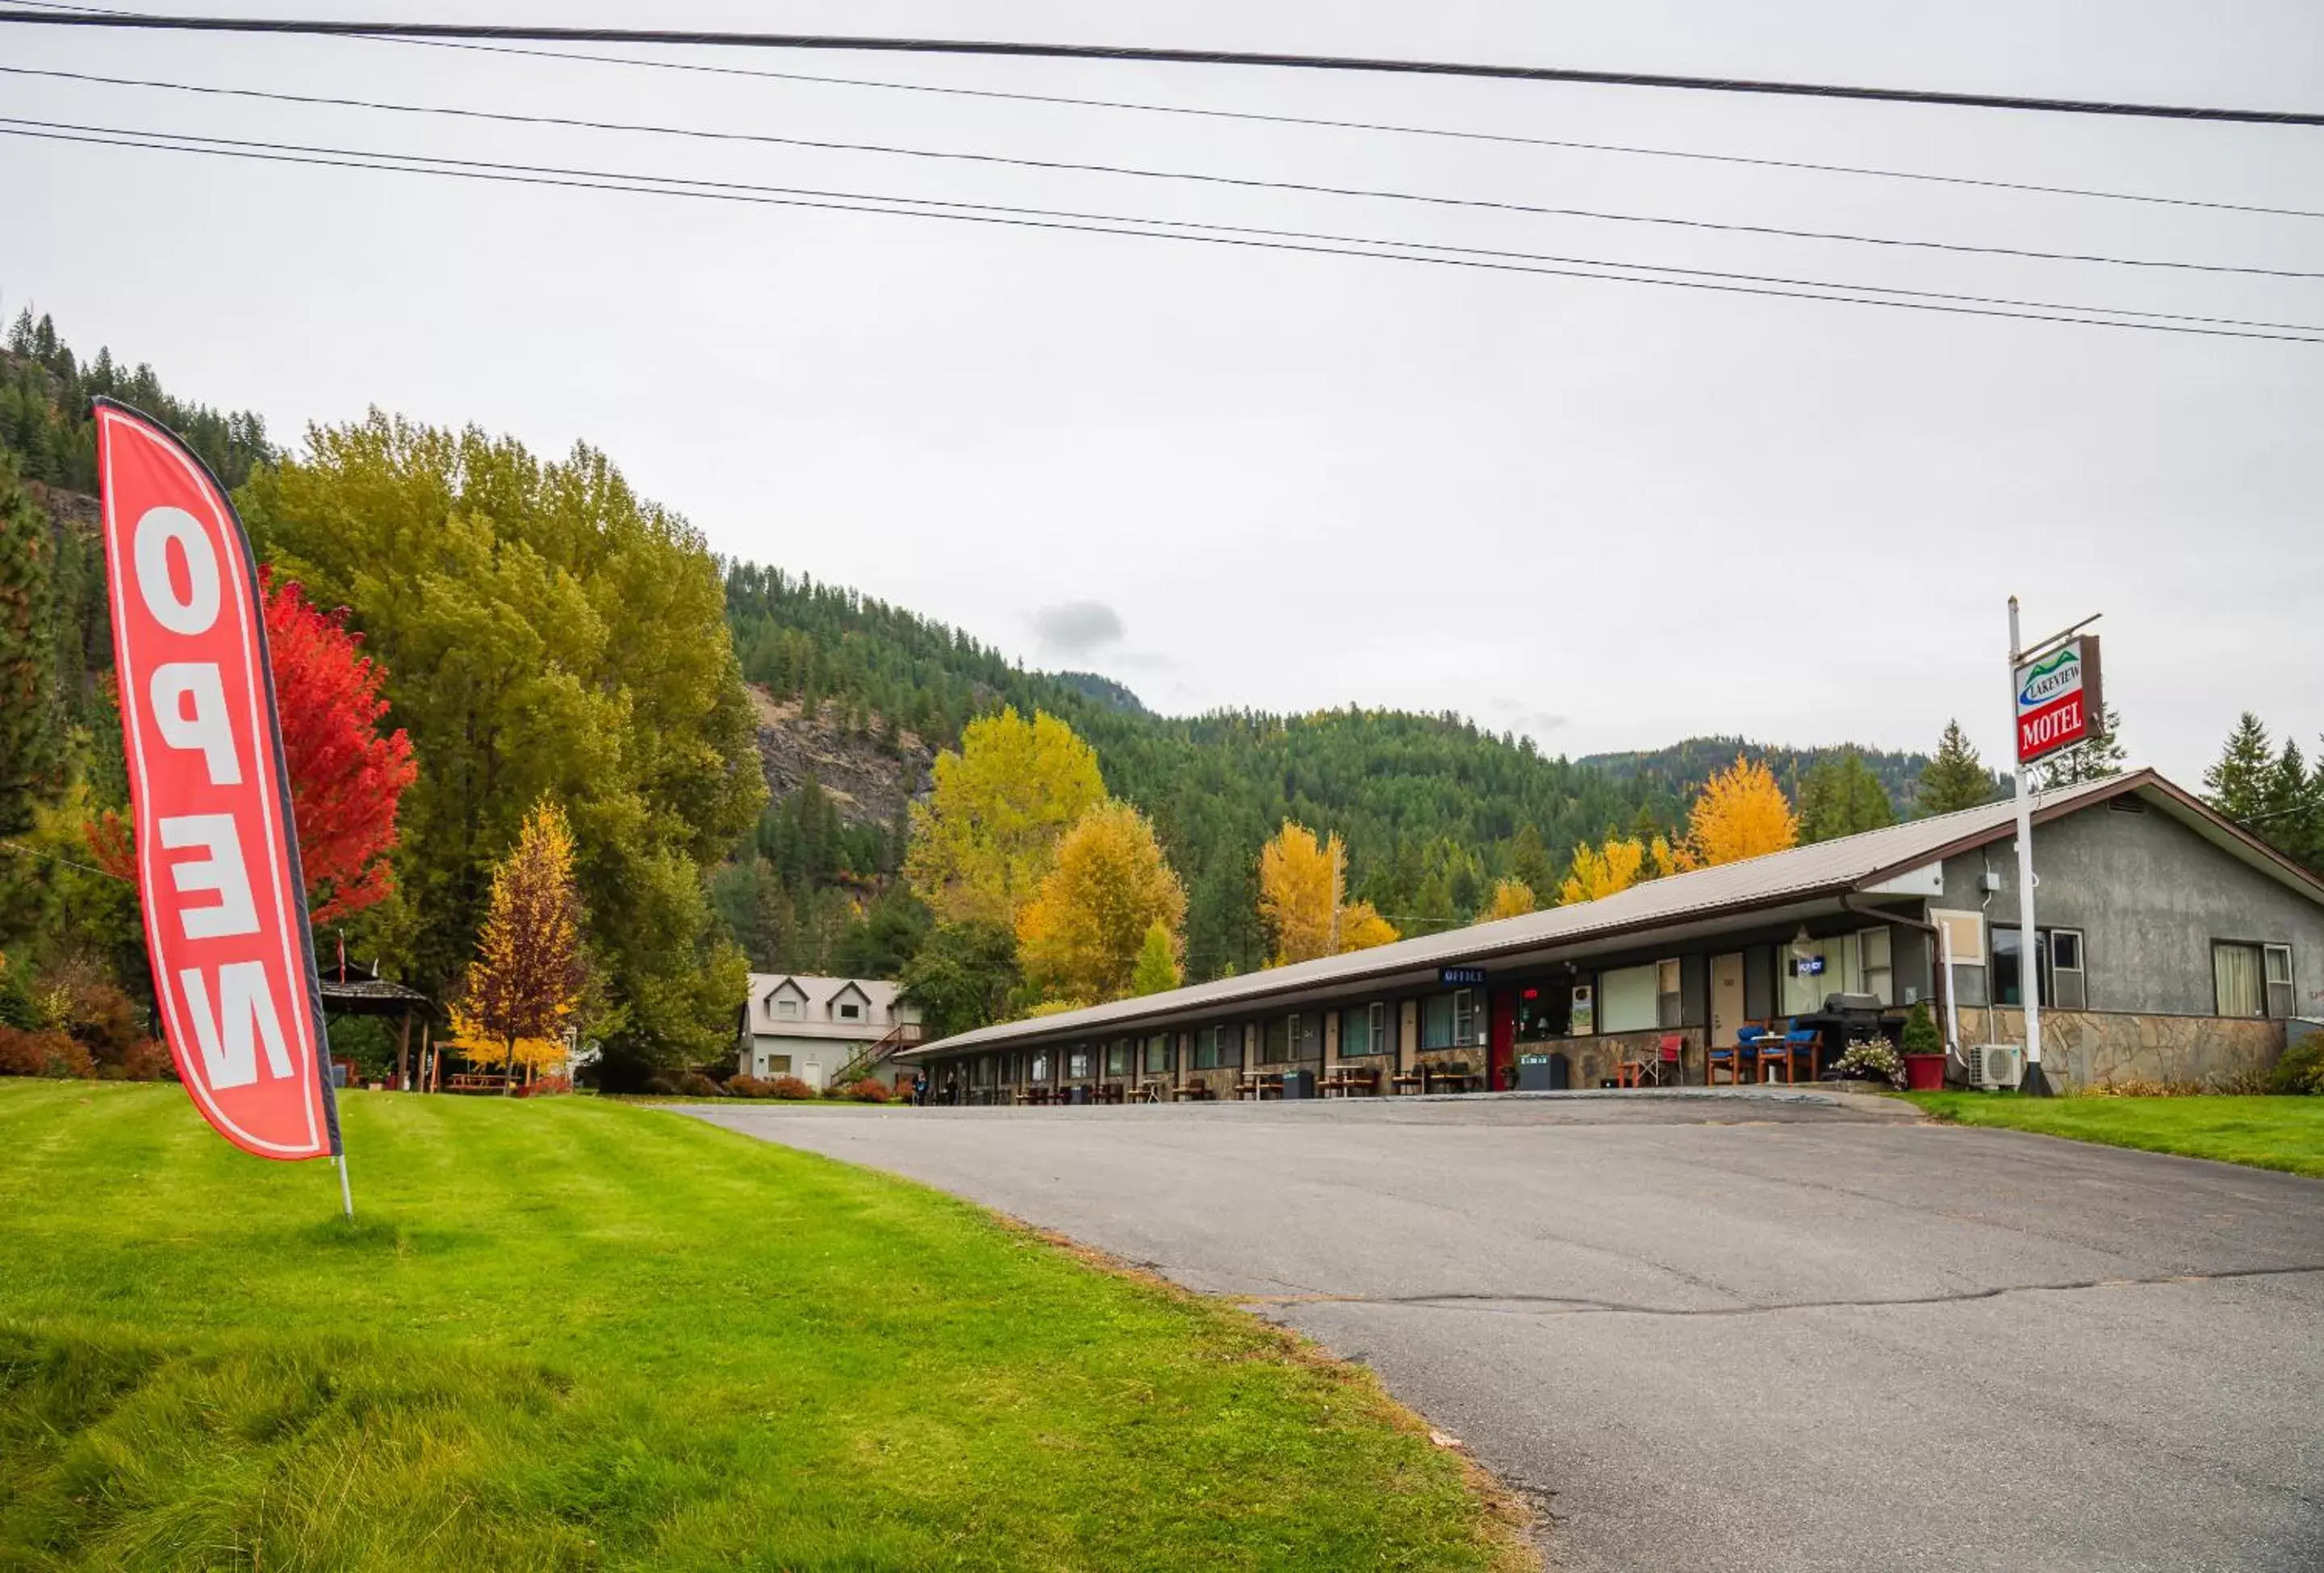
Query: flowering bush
x,y
791,1086
870,1091
1873,1059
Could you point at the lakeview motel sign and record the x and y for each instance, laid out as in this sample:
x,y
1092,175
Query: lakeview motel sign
x,y
224,905
2058,705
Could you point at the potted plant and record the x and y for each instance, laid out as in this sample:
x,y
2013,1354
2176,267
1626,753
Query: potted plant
x,y
1924,1051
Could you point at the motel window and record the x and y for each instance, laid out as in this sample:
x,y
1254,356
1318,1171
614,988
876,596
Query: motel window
x,y
1541,1012
779,1064
1157,1055
1668,1004
1366,1031
1207,1043
1077,1064
1117,1056
1437,1022
1626,999
1275,1048
1040,1068
2058,959
1964,947
2251,980
1306,1034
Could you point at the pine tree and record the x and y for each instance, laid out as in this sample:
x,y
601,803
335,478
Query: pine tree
x,y
2095,758
1955,779
2243,779
1843,797
31,746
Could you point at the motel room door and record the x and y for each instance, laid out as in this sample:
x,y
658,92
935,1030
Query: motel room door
x,y
1725,997
1502,1072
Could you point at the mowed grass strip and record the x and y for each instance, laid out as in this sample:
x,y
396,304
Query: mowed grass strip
x,y
570,1333
2264,1133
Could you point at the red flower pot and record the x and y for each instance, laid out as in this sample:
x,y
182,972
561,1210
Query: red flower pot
x,y
1924,1072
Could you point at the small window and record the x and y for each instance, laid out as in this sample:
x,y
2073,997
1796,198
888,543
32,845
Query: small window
x,y
1465,1029
1157,1055
787,1009
1117,1056
1040,1068
1384,1027
1625,1000
2276,963
1667,995
2069,985
1437,1025
779,1064
2238,981
849,1011
1878,968
1077,1064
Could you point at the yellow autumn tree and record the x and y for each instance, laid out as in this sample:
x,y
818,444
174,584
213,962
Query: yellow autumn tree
x,y
1080,935
1615,865
1741,814
1512,898
525,987
1299,878
989,830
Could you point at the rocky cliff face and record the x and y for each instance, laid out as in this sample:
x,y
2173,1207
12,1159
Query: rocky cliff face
x,y
868,783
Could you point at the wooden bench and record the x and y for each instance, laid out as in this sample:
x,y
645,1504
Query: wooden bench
x,y
1350,1079
474,1081
1196,1090
1258,1084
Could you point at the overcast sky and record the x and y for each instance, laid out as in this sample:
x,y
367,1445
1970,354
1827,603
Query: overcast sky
x,y
1604,515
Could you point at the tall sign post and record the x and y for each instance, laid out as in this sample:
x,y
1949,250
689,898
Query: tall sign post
x,y
2057,705
218,881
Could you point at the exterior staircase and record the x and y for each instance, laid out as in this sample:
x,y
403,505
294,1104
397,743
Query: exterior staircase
x,y
901,1036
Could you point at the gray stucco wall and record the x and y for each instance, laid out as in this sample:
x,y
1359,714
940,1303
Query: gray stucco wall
x,y
2149,896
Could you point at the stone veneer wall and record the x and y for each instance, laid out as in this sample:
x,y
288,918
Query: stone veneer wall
x,y
2084,1049
1591,1061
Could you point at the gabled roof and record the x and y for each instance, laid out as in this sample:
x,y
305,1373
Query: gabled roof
x,y
1851,865
818,996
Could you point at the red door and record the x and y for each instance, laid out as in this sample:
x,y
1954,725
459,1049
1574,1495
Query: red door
x,y
1504,1039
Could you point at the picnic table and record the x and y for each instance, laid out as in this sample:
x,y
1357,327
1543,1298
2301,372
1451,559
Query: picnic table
x,y
1258,1084
1350,1079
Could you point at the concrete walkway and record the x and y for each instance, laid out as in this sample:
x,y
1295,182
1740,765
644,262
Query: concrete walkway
x,y
1754,1330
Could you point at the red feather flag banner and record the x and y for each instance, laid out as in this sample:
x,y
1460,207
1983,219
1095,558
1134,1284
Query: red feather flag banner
x,y
219,876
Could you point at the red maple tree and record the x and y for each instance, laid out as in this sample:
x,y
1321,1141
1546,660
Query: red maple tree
x,y
346,775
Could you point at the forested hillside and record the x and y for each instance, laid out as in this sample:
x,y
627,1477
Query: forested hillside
x,y
1676,773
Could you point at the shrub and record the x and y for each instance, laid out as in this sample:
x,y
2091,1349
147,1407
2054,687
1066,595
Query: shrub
x,y
694,1084
791,1086
747,1085
2301,1068
49,1053
1921,1034
870,1091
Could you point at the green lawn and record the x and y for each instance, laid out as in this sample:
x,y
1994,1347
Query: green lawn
x,y
570,1333
2266,1132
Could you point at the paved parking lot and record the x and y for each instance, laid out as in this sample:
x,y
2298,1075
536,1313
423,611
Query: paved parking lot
x,y
1735,1331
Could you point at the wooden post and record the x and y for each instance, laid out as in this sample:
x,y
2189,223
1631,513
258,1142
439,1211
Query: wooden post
x,y
403,1054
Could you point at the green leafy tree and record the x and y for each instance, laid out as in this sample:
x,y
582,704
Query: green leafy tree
x,y
1955,778
1843,797
962,976
547,632
884,941
1157,963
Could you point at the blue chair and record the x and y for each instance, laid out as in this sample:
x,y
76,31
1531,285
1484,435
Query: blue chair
x,y
1747,1048
1797,1044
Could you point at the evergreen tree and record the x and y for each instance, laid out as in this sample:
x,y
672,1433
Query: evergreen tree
x,y
30,744
1843,797
2243,783
1955,778
2094,758
2293,818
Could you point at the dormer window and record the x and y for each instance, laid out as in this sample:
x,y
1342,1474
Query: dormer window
x,y
787,1008
849,1011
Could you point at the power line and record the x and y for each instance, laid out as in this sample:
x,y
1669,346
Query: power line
x,y
1194,177
1155,56
1248,236
1397,128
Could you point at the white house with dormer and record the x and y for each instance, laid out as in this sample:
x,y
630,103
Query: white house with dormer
x,y
814,1028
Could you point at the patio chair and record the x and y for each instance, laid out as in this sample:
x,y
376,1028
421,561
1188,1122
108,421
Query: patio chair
x,y
1746,1050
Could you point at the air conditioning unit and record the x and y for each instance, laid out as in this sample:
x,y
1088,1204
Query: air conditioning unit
x,y
1997,1066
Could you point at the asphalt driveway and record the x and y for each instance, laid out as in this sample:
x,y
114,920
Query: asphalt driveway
x,y
1735,1331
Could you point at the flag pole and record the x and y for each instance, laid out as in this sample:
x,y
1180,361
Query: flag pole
x,y
346,1196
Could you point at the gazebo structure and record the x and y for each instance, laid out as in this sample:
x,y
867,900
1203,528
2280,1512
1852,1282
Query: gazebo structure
x,y
351,990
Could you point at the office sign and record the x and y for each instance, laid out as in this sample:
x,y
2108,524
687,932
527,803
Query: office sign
x,y
1460,977
224,903
2058,698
